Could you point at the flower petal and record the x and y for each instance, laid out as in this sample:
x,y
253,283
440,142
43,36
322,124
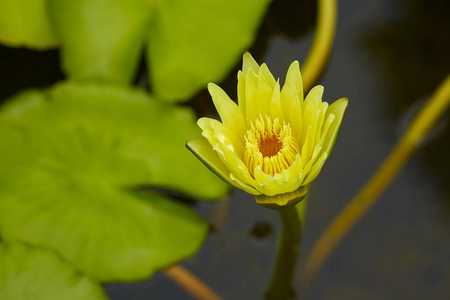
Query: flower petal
x,y
239,171
275,104
203,150
221,144
239,184
320,120
228,110
315,95
305,147
292,109
294,79
338,109
223,135
264,72
286,181
264,97
251,99
242,78
315,170
207,130
248,63
326,127
315,155
310,116
282,200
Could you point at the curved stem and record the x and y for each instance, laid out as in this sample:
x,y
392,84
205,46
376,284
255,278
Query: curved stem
x,y
320,51
419,128
190,283
289,245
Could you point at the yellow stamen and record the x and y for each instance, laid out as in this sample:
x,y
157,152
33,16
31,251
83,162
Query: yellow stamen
x,y
270,145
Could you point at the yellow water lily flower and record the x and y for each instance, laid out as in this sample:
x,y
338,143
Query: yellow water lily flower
x,y
274,143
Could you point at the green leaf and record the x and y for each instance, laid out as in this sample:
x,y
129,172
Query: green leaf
x,y
39,274
137,128
189,43
109,234
102,40
196,42
25,23
74,155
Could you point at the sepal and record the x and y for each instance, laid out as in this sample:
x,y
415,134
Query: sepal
x,y
279,201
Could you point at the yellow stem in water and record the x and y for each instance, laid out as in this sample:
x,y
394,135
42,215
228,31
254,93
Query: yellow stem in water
x,y
320,51
190,283
419,128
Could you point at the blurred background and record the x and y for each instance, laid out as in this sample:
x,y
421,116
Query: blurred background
x,y
387,58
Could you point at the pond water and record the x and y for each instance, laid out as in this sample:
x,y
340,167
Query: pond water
x,y
387,59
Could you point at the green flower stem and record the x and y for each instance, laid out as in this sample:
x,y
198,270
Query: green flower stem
x,y
289,245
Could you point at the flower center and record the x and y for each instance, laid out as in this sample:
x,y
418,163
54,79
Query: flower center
x,y
269,144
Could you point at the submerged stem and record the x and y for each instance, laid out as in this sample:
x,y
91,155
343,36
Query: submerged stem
x,y
289,245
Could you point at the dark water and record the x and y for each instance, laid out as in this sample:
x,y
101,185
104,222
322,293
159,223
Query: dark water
x,y
387,58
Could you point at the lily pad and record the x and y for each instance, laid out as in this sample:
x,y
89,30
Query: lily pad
x,y
38,274
25,23
102,40
196,42
189,43
74,157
